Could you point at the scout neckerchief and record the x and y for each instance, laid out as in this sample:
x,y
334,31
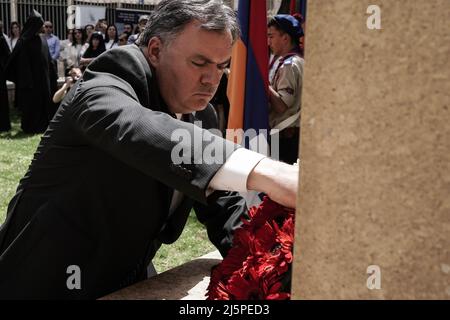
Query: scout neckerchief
x,y
282,60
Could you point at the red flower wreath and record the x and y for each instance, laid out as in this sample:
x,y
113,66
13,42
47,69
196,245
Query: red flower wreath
x,y
258,265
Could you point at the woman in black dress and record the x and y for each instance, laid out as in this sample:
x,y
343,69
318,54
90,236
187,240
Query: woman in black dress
x,y
29,68
5,124
96,48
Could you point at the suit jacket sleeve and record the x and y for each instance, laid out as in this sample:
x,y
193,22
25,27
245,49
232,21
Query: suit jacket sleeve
x,y
222,216
111,119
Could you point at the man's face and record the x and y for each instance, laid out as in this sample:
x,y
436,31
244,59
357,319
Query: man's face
x,y
189,68
276,41
48,28
127,28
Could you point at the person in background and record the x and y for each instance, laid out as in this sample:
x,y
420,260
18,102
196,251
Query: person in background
x,y
63,47
29,68
14,34
96,48
88,31
54,49
123,39
140,27
102,26
285,90
52,41
73,52
112,37
128,28
5,123
73,75
63,44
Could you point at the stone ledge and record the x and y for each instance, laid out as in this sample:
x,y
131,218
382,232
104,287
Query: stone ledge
x,y
186,282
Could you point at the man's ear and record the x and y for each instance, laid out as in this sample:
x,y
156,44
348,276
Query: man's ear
x,y
154,50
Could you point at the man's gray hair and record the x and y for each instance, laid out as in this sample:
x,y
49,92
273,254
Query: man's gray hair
x,y
171,16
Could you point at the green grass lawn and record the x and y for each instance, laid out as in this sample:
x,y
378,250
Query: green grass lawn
x,y
16,152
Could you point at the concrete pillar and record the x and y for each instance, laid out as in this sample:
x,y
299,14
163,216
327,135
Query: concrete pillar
x,y
374,206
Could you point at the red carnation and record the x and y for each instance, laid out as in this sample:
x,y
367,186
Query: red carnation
x,y
257,267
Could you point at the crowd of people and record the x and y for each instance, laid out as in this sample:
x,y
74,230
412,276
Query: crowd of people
x,y
37,96
24,61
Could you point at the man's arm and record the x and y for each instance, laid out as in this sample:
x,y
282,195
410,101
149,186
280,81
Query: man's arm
x,y
225,210
276,101
111,120
247,170
59,95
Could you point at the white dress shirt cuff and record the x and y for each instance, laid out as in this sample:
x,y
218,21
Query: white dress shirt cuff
x,y
234,173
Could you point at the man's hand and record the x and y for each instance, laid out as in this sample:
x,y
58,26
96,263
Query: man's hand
x,y
277,179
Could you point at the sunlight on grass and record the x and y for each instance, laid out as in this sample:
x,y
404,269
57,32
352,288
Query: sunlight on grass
x,y
16,152
192,244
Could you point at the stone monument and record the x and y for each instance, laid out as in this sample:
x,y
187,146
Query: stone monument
x,y
373,214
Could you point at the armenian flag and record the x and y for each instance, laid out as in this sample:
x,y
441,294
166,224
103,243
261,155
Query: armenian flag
x,y
248,82
298,6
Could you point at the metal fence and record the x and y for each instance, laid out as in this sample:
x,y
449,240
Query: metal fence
x,y
5,14
56,11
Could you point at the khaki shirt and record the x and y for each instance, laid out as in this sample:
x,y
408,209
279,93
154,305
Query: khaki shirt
x,y
288,83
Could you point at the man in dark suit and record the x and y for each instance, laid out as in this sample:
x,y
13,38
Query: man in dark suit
x,y
103,191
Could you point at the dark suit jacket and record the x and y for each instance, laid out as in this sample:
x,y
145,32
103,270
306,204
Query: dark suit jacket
x,y
98,191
